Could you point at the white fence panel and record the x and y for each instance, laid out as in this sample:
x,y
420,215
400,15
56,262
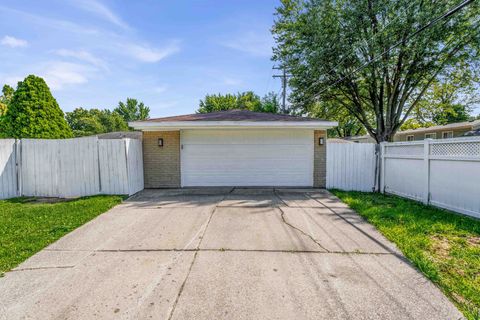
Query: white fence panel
x,y
59,168
8,171
404,176
70,167
351,166
444,173
113,166
135,165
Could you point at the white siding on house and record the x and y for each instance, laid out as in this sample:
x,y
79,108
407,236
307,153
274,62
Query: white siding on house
x,y
267,157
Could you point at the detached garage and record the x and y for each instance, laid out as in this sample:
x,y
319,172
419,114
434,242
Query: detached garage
x,y
234,148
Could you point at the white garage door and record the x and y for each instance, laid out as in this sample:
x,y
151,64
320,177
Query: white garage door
x,y
247,157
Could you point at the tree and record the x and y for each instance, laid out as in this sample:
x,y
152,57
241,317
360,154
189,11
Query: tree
x,y
367,56
5,98
34,113
450,97
245,100
270,103
131,110
348,125
94,121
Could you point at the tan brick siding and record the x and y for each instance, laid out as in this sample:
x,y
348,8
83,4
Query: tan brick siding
x,y
161,165
320,159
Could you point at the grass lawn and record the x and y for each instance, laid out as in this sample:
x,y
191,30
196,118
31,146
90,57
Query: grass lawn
x,y
26,226
443,245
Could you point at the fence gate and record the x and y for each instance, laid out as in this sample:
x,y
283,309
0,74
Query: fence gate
x,y
351,166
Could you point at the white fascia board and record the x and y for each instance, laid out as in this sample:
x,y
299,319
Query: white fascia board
x,y
179,125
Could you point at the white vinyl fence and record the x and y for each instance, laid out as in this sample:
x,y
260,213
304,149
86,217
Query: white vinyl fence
x,y
70,167
444,173
351,166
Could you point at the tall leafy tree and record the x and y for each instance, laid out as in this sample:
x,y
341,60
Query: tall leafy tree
x,y
245,100
132,110
34,113
270,103
217,102
367,56
94,121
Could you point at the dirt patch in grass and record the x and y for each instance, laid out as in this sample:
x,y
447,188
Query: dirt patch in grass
x,y
441,246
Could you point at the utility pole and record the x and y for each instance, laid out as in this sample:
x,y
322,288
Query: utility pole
x,y
284,77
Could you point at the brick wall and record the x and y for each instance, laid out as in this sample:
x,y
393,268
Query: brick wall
x,y
161,165
320,160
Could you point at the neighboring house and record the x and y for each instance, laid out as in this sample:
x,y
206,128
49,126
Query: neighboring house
x,y
234,148
452,130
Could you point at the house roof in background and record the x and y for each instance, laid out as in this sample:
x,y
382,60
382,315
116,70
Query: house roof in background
x,y
233,115
458,125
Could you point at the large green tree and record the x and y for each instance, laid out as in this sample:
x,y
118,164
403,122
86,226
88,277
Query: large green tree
x,y
132,110
34,113
94,121
368,56
245,100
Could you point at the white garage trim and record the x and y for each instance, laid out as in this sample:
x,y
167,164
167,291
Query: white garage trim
x,y
240,157
178,125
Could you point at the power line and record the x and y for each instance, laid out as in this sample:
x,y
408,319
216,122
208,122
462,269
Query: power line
x,y
421,29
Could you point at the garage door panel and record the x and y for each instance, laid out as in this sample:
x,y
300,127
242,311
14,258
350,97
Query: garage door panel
x,y
219,158
227,137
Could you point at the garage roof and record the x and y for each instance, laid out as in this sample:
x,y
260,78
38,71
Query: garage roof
x,y
231,118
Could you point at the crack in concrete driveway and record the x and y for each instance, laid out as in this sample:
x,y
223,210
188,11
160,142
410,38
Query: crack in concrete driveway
x,y
223,253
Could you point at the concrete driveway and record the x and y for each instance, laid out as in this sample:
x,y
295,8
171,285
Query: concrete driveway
x,y
223,254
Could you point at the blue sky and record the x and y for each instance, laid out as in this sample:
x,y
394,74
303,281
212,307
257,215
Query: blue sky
x,y
169,54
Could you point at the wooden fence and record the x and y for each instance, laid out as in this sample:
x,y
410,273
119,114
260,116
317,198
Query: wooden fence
x,y
70,167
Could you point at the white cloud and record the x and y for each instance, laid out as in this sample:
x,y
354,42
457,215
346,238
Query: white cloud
x,y
149,54
232,82
82,55
160,89
63,25
102,11
60,74
13,42
253,43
